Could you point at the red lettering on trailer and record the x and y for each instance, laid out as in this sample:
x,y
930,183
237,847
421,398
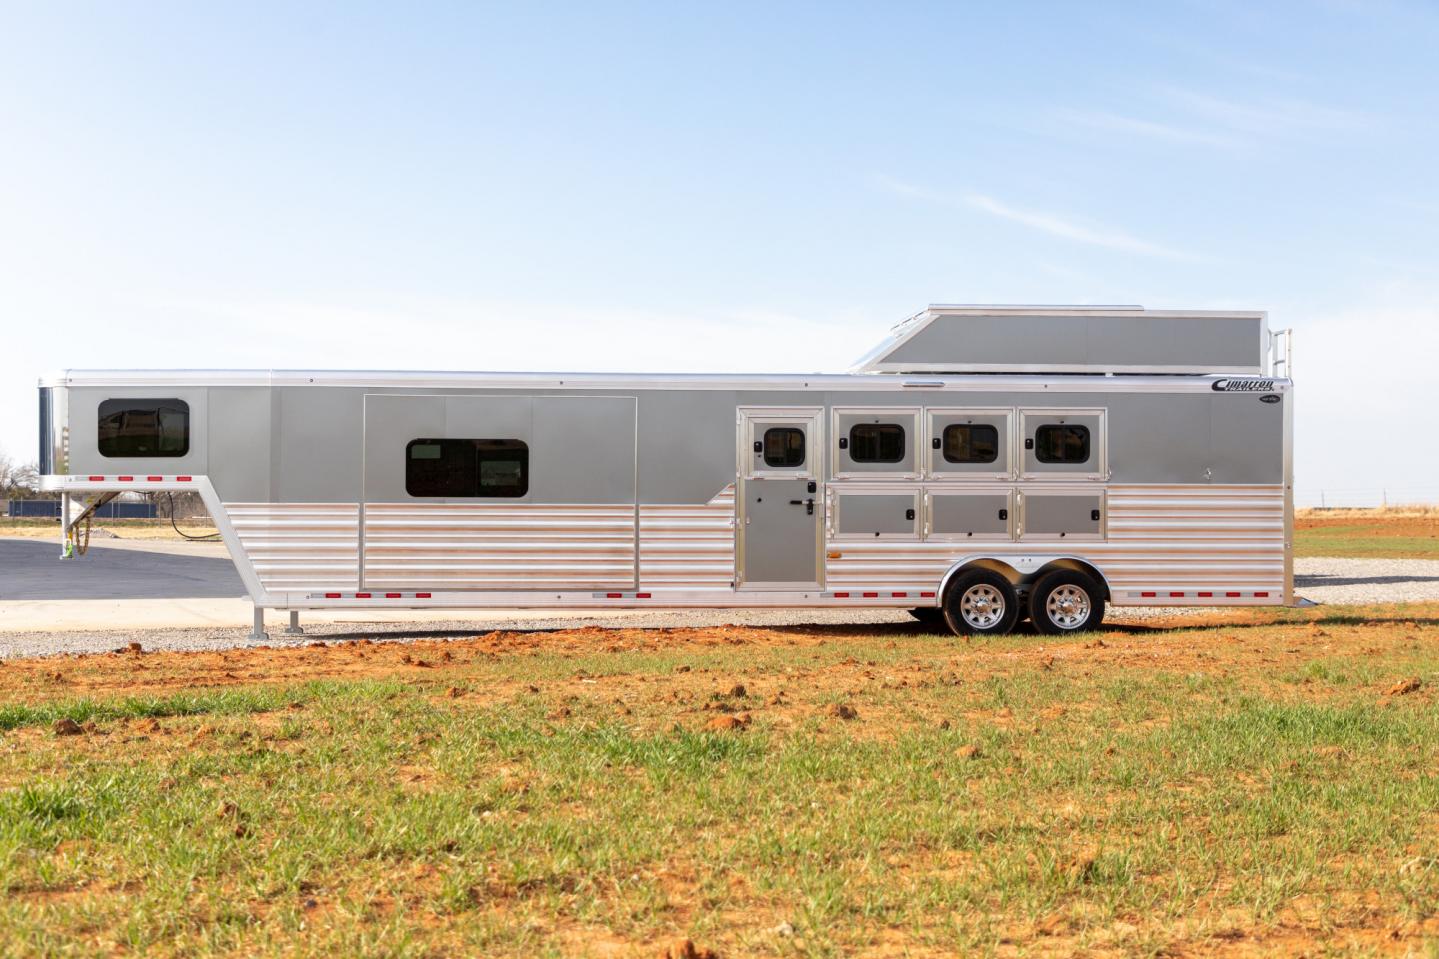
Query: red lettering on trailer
x,y
422,596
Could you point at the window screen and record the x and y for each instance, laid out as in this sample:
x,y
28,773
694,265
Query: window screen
x,y
876,443
1061,444
144,427
971,443
783,446
467,468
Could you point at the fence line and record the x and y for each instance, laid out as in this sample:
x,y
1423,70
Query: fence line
x,y
1369,497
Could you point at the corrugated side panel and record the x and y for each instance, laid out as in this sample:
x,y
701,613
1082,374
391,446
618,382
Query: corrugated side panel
x,y
300,545
689,547
1160,538
493,546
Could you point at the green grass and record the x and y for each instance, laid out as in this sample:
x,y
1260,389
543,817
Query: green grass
x,y
1387,539
1161,809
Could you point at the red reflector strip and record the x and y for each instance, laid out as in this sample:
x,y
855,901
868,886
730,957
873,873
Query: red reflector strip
x,y
392,595
153,479
614,595
1232,595
841,595
126,479
184,479
871,596
1204,595
1176,595
96,479
1149,595
898,595
422,596
1261,595
642,595
332,595
926,596
362,595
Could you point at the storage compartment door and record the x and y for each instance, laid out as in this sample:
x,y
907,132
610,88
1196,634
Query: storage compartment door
x,y
1061,514
875,515
985,515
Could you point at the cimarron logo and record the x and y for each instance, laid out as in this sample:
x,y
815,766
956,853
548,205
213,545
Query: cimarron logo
x,y
1242,386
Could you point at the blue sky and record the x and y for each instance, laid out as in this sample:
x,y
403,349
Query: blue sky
x,y
723,187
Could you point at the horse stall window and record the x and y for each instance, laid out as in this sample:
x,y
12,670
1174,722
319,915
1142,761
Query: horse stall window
x,y
467,468
876,442
144,428
783,446
1061,444
971,443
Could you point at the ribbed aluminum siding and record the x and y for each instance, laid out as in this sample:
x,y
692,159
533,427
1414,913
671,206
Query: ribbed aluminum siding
x,y
300,545
688,547
489,546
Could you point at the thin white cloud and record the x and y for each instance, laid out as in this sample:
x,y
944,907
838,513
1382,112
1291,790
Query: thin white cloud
x,y
1268,116
1050,223
1166,132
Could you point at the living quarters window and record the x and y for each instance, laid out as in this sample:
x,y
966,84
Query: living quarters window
x,y
971,443
144,428
876,443
1061,443
467,468
783,446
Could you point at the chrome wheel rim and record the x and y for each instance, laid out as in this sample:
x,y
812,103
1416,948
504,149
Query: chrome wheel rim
x,y
1067,606
981,606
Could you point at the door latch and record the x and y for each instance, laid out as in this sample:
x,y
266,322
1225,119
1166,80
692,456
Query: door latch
x,y
909,514
934,443
1004,514
1094,515
808,505
1029,442
811,487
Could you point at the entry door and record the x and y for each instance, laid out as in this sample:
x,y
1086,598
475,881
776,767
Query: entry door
x,y
781,500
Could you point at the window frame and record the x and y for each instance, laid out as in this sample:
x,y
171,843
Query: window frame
x,y
159,402
518,490
1032,470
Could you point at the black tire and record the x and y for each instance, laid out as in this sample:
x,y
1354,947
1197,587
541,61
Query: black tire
x,y
980,603
931,616
1066,601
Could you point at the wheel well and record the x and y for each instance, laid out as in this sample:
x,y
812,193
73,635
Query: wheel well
x,y
1021,580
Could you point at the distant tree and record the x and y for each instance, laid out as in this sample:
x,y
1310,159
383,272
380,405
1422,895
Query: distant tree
x,y
18,481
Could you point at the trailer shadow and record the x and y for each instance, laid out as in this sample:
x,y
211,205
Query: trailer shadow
x,y
1301,582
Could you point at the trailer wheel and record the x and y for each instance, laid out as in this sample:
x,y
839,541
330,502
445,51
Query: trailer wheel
x,y
931,616
1066,601
980,603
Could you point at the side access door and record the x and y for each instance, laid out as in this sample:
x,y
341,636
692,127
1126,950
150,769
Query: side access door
x,y
780,501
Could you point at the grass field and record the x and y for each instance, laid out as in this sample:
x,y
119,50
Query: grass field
x,y
1267,785
1393,534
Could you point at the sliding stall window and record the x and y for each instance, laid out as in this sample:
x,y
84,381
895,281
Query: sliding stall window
x,y
144,427
467,468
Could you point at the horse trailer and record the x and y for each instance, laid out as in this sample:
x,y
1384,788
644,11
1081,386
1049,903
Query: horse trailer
x,y
979,466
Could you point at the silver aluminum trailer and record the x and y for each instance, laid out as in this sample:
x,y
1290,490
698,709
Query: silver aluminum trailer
x,y
980,465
